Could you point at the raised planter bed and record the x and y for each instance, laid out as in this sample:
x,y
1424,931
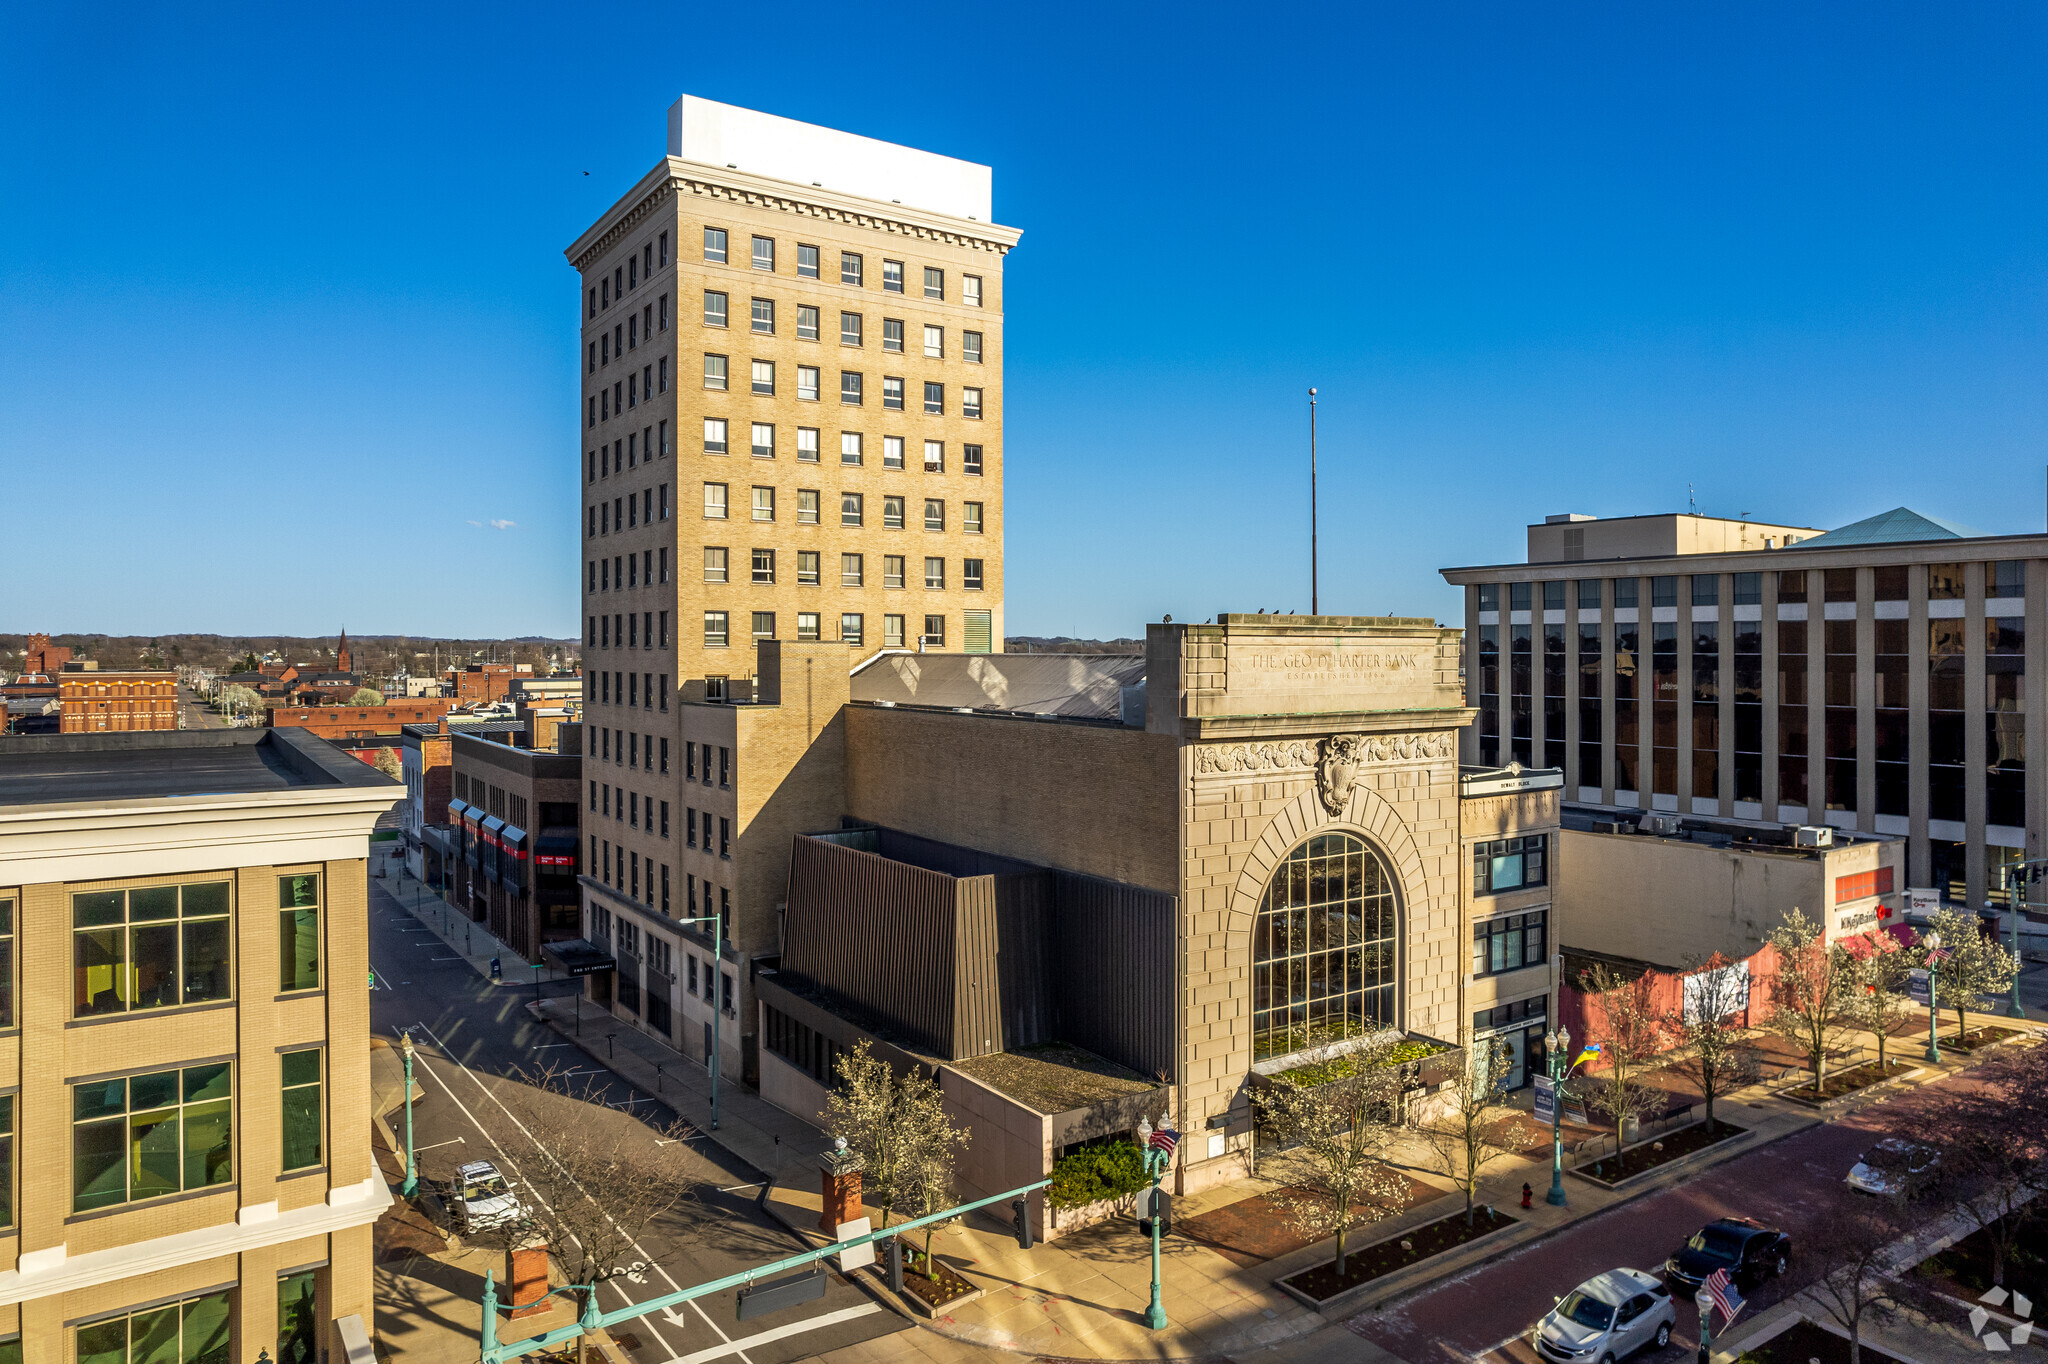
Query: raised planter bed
x,y
1649,1155
1840,1084
1320,1283
1976,1039
933,1294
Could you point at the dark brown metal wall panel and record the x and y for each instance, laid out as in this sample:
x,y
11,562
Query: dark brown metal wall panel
x,y
878,933
1114,970
1024,959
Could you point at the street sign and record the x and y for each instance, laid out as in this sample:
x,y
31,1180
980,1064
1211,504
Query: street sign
x,y
1546,1099
1916,987
777,1294
861,1255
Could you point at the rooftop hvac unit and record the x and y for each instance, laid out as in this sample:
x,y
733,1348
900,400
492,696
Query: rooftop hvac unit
x,y
1663,825
1813,836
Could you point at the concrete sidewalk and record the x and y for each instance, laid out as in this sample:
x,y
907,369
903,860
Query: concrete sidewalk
x,y
762,1135
1083,1296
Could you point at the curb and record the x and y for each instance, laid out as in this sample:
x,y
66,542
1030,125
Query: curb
x,y
1335,1307
1727,1148
1667,1175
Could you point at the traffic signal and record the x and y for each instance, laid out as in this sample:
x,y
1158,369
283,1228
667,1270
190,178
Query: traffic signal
x,y
1021,1222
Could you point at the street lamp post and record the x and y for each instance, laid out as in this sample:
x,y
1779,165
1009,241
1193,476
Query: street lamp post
x,y
1556,1046
1705,1302
717,1000
1933,1002
1156,1162
412,1166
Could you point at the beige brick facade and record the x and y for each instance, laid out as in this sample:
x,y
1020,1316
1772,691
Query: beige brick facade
x,y
836,479
61,1267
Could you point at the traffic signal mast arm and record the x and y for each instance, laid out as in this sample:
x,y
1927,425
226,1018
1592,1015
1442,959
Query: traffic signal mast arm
x,y
592,1319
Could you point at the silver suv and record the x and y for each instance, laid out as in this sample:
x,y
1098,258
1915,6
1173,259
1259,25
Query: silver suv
x,y
1607,1318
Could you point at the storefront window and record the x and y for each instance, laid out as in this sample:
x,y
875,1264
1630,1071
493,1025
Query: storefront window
x,y
1323,948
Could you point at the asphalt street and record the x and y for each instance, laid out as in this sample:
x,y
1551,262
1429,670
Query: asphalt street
x,y
472,1039
1489,1311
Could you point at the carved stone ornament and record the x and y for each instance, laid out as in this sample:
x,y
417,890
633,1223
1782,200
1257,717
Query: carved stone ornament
x,y
1337,770
1305,754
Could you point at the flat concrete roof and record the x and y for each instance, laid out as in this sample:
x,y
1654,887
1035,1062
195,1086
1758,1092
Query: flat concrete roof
x,y
155,765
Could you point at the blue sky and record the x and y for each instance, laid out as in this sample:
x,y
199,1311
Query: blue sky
x,y
285,325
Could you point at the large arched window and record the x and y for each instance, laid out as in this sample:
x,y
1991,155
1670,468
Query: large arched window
x,y
1323,948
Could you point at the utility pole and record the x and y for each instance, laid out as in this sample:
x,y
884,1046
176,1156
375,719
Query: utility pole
x,y
1314,564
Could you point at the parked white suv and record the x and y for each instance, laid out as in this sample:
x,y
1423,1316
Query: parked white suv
x,y
1607,1318
480,1198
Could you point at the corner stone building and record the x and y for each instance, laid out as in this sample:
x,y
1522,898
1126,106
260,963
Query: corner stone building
x,y
1252,852
1287,731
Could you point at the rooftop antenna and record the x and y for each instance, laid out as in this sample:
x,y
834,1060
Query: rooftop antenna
x,y
1694,502
1313,566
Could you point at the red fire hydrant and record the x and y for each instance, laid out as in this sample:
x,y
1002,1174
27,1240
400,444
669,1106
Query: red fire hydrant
x,y
1527,1194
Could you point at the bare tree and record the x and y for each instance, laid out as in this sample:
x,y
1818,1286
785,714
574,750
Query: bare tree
x,y
1811,994
1713,1050
1335,1139
594,1181
1877,987
1858,1252
1630,1034
1471,1127
1993,1139
1976,965
887,1120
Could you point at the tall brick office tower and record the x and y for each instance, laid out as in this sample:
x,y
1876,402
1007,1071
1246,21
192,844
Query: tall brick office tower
x,y
792,421
792,404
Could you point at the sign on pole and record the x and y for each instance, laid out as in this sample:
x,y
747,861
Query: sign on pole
x,y
858,1256
1916,987
1546,1099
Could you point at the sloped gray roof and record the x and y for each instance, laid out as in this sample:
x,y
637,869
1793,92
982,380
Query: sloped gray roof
x,y
1075,686
1900,525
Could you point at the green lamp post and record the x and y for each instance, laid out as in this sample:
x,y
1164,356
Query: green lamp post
x,y
1157,1159
1556,1058
412,1165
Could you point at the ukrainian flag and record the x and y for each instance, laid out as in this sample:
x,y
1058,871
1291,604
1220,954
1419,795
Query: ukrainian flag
x,y
1592,1050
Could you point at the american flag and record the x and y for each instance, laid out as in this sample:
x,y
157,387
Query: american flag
x,y
1725,1296
1165,1139
1939,954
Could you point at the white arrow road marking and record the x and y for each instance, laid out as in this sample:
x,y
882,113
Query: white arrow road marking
x,y
778,1333
485,1090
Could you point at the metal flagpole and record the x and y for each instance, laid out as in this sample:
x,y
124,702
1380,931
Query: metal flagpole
x,y
1314,562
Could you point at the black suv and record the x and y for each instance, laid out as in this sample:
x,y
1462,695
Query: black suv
x,y
1749,1251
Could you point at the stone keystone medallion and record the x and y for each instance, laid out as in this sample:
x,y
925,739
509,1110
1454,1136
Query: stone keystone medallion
x,y
1337,761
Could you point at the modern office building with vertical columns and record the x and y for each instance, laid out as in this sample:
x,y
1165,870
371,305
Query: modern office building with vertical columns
x,y
1872,678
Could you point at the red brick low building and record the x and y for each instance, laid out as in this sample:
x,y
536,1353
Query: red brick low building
x,y
96,702
347,722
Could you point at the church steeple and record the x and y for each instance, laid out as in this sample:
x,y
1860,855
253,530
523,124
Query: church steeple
x,y
341,656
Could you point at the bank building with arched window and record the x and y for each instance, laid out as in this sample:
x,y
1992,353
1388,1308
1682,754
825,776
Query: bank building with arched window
x,y
1082,890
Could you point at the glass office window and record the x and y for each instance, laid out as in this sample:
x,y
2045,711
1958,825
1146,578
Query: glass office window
x,y
1792,716
1323,948
302,1109
1627,717
1664,708
1838,690
150,948
2005,722
298,932
1553,691
1747,658
1706,703
143,1136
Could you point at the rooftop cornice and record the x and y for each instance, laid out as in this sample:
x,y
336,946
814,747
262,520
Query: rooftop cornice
x,y
677,177
2029,546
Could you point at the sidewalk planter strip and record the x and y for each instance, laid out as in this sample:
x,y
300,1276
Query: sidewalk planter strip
x,y
932,1296
1649,1155
1318,1284
1840,1084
